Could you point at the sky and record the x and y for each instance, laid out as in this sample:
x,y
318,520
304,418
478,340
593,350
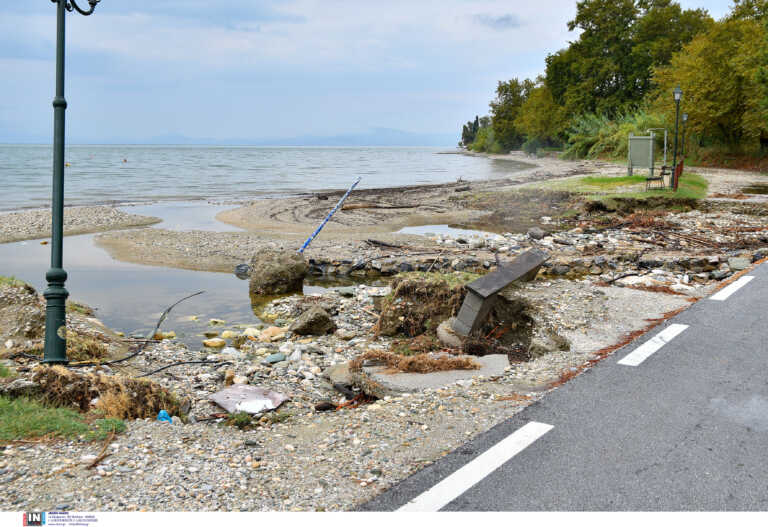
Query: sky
x,y
236,70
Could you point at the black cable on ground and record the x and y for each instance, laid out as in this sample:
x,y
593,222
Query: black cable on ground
x,y
185,362
146,341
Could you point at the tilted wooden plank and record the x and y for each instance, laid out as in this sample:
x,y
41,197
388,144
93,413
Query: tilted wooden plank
x,y
522,267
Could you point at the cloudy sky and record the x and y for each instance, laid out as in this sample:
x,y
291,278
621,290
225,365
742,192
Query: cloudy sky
x,y
263,69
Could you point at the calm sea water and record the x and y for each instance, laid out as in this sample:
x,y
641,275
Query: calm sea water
x,y
131,173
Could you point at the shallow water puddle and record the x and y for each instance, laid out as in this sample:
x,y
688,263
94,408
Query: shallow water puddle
x,y
184,215
130,297
433,230
755,189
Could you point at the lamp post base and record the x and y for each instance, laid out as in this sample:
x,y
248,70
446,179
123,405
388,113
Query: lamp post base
x,y
55,351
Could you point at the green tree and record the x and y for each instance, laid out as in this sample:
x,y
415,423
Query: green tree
x,y
505,109
602,66
749,10
719,75
540,117
762,72
608,70
661,30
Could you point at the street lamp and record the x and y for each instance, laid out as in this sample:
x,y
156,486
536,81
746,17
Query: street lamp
x,y
682,146
678,94
56,295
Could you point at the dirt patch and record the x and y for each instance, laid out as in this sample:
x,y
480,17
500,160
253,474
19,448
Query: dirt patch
x,y
116,396
419,302
518,210
630,205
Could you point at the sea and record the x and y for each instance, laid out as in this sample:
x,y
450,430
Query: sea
x,y
125,174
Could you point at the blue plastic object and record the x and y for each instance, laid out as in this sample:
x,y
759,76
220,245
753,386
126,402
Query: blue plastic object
x,y
164,417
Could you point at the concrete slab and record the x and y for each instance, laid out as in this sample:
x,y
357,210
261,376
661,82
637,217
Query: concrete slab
x,y
375,380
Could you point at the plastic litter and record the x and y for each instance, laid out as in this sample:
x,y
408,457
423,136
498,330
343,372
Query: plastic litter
x,y
163,416
247,398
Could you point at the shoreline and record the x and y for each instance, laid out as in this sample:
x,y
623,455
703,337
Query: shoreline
x,y
36,224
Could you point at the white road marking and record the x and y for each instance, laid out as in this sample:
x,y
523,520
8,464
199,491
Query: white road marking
x,y
476,470
732,288
652,346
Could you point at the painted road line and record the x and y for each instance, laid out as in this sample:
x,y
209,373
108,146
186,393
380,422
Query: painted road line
x,y
652,346
476,470
729,290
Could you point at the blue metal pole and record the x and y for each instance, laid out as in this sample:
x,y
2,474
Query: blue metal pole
x,y
317,231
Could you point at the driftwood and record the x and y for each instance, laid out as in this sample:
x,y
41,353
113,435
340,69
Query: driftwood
x,y
354,206
379,243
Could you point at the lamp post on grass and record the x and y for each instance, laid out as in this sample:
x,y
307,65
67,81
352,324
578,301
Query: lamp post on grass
x,y
682,145
56,295
678,94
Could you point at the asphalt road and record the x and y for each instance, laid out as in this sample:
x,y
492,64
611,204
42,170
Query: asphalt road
x,y
686,429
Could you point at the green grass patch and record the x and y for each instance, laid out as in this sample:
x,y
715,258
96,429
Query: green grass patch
x,y
241,420
77,307
27,419
612,182
690,186
6,372
12,281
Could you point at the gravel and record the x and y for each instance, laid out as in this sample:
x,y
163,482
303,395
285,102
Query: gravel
x,y
330,460
34,224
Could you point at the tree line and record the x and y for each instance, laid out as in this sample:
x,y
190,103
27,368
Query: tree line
x,y
618,77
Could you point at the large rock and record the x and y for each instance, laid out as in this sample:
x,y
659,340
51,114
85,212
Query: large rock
x,y
20,388
313,321
277,272
536,233
339,374
738,264
449,337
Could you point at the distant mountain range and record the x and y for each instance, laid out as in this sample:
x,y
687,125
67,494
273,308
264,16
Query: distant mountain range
x,y
373,137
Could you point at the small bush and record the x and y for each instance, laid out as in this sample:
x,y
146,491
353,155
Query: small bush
x,y
532,146
241,420
593,136
11,281
77,307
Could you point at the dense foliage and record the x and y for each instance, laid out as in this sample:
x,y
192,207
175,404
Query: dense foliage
x,y
618,77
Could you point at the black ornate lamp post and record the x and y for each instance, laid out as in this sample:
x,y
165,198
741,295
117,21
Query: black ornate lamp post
x,y
682,145
678,94
56,295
